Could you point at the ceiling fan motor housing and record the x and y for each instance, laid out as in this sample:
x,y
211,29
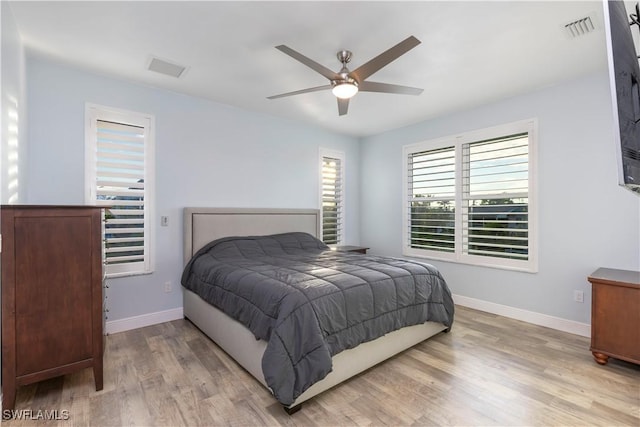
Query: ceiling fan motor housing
x,y
344,56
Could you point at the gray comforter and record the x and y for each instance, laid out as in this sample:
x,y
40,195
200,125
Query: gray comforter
x,y
309,303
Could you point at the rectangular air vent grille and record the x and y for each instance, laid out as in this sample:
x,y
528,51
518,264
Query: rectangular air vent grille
x,y
167,68
580,27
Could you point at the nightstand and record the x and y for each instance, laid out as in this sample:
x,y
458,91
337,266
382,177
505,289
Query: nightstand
x,y
358,249
615,315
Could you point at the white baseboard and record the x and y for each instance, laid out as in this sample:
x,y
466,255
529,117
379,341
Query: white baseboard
x,y
143,320
558,323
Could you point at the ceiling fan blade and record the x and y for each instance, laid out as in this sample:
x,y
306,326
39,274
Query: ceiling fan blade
x,y
331,75
386,57
343,106
388,88
298,92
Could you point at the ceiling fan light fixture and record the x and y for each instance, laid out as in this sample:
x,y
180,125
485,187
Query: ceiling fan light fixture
x,y
345,90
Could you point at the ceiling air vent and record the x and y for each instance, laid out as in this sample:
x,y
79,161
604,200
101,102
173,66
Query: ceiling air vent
x,y
164,67
580,27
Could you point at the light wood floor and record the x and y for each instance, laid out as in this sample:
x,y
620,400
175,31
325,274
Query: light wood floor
x,y
488,370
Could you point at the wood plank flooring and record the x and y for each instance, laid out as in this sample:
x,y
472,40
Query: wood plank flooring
x,y
489,370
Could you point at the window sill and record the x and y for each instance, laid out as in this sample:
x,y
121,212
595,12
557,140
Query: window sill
x,y
127,274
530,266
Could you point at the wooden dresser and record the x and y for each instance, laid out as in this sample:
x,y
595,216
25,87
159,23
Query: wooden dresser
x,y
52,318
615,315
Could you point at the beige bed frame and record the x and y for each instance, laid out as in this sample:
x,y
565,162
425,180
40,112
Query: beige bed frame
x,y
203,225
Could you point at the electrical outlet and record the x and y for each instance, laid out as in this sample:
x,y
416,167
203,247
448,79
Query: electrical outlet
x,y
578,296
164,221
167,286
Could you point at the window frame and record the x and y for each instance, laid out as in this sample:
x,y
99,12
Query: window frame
x,y
457,141
334,154
94,113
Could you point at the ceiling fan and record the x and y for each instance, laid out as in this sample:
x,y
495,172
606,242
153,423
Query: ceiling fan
x,y
345,84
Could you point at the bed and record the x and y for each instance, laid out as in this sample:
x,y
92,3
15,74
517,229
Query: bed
x,y
289,238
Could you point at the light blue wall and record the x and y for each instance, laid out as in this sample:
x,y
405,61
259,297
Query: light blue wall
x,y
585,219
13,150
210,154
207,154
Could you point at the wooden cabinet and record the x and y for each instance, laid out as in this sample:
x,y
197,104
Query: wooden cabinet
x,y
615,315
52,319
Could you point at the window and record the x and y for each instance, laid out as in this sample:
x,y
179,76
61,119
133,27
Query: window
x,y
119,175
332,196
471,198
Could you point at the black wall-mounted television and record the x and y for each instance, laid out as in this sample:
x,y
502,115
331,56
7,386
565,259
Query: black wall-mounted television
x,y
621,26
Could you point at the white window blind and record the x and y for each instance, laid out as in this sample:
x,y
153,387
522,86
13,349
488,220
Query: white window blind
x,y
118,166
332,197
471,198
495,197
432,193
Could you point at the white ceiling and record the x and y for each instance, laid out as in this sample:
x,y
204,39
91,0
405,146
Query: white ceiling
x,y
472,53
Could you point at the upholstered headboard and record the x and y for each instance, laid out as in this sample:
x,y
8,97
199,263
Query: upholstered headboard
x,y
202,225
